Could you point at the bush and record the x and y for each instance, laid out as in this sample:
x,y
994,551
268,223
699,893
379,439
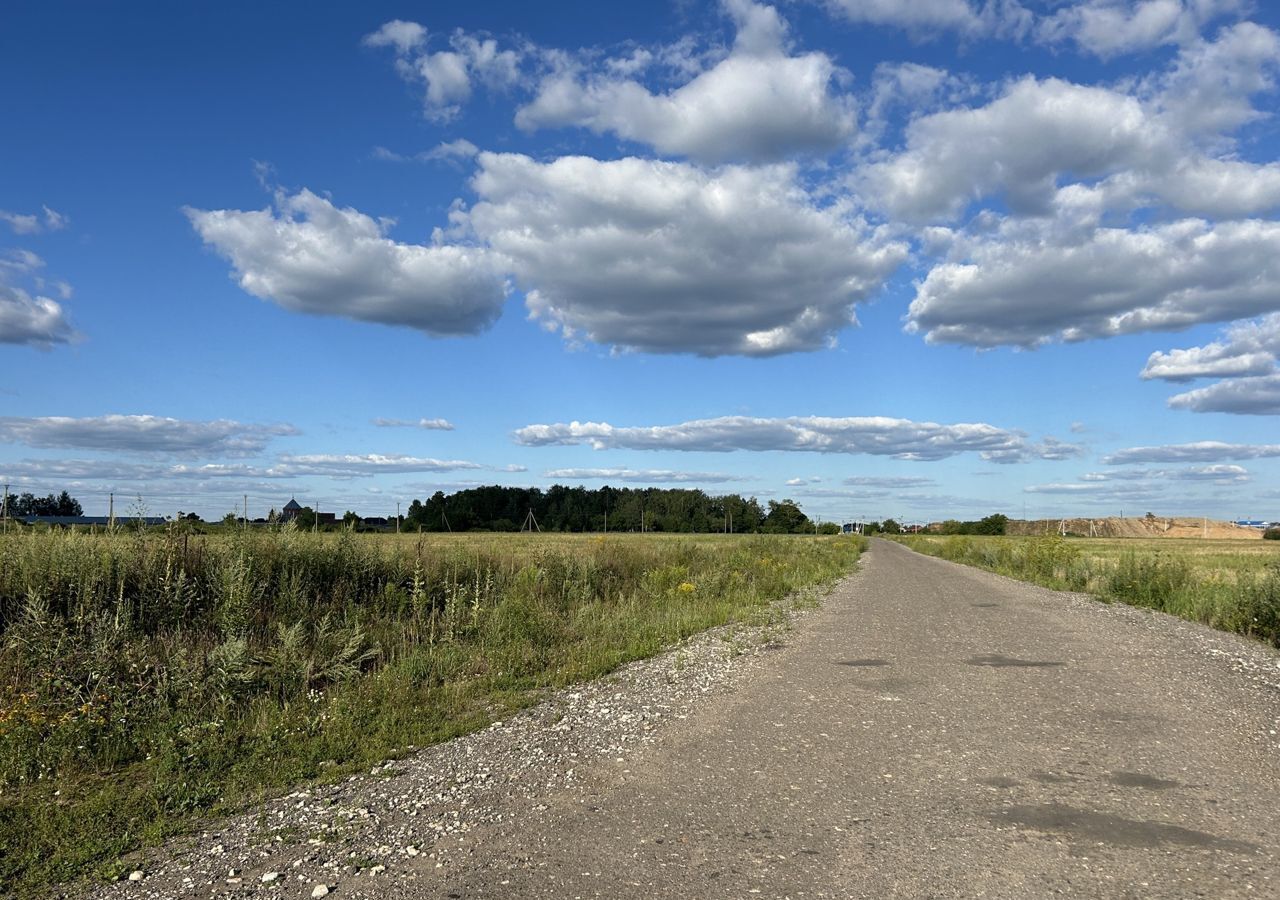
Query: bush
x,y
1271,534
1153,581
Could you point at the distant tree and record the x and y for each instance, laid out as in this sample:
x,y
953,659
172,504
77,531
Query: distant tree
x,y
890,526
27,504
350,519
231,519
1272,534
190,517
785,517
305,518
993,524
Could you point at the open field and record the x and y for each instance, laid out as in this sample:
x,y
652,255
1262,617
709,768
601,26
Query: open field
x,y
1233,585
146,681
1149,526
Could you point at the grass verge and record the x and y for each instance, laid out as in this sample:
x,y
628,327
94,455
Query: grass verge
x,y
149,681
1232,586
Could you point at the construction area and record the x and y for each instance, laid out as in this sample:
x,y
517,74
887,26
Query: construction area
x,y
1148,526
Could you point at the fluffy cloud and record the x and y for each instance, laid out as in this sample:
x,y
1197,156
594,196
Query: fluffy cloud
x,y
1112,27
1246,360
1257,396
1027,284
1208,89
1163,140
874,435
310,256
1017,145
670,258
429,424
647,476
758,104
404,36
1199,451
446,75
149,434
32,321
1249,348
1006,17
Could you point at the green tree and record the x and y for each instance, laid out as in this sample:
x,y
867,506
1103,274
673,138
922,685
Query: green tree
x,y
305,518
890,526
785,517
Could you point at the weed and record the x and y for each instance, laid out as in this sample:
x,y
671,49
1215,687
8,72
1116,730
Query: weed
x,y
150,679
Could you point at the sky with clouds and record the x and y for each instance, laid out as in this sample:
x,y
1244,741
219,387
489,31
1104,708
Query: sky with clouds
x,y
924,260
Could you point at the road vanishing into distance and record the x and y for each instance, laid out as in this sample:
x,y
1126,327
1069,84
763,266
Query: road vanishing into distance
x,y
933,731
937,731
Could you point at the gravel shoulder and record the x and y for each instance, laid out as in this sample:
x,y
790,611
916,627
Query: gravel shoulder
x,y
377,834
930,731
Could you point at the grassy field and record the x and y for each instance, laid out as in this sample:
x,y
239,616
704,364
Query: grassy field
x,y
150,680
1231,585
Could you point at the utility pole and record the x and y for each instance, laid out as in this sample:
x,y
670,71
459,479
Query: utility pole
x,y
397,517
246,512
111,510
4,509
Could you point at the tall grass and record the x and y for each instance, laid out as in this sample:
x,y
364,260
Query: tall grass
x,y
1228,588
146,680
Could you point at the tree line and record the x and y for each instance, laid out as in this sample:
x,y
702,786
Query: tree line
x,y
21,505
563,508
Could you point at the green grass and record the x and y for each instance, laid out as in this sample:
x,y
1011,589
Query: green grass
x,y
149,681
1231,585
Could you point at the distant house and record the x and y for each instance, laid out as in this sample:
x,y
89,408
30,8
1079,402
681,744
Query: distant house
x,y
290,511
1251,523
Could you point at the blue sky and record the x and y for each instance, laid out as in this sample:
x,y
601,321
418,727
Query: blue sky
x,y
921,260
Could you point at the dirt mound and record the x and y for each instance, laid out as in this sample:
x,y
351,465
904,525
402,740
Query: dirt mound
x,y
1137,527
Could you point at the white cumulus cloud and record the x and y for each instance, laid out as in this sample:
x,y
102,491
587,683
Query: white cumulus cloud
x,y
1256,396
447,76
310,256
1112,27
757,104
928,17
668,257
1029,284
32,321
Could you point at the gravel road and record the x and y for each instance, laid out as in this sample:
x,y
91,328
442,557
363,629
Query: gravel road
x,y
931,731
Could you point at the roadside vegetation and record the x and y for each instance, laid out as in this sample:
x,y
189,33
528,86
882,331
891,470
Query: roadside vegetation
x,y
149,680
1230,585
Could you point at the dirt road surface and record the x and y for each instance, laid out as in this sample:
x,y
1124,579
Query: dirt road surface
x,y
937,732
932,731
